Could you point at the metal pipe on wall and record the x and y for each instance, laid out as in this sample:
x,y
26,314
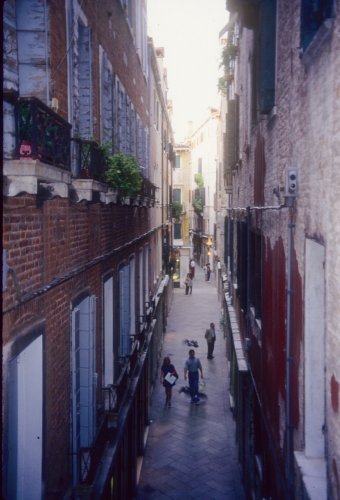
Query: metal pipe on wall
x,y
289,430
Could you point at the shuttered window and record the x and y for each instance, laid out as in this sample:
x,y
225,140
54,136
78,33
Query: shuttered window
x,y
313,15
176,195
124,308
106,100
242,263
83,384
177,231
267,58
32,48
85,81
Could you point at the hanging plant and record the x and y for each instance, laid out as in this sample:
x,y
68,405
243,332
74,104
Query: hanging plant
x,y
123,174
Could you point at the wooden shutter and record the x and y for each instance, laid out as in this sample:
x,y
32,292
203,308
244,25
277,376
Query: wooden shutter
x,y
32,48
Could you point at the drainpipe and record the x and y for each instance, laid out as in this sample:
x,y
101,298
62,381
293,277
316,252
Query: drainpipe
x,y
289,360
248,280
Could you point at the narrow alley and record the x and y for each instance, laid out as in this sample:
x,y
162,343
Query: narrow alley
x,y
191,450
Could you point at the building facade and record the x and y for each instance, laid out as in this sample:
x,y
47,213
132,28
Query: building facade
x,y
282,244
182,213
85,284
204,160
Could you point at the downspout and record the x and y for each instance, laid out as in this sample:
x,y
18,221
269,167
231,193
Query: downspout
x,y
162,164
248,277
289,360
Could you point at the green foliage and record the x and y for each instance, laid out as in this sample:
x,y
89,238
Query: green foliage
x,y
199,180
222,85
198,205
176,210
123,174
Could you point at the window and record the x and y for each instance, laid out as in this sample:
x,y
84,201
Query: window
x,y
32,48
132,297
177,231
108,354
255,277
141,36
267,56
106,88
140,282
83,384
84,81
178,161
242,263
124,311
313,15
176,195
146,274
121,118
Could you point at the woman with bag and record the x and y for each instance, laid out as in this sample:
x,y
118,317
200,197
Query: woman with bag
x,y
168,379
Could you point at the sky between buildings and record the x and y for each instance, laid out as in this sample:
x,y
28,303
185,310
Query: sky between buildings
x,y
188,30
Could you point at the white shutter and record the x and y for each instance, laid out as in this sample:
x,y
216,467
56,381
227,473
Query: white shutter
x,y
124,311
32,48
108,354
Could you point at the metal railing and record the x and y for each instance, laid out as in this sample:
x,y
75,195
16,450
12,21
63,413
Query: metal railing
x,y
91,160
41,134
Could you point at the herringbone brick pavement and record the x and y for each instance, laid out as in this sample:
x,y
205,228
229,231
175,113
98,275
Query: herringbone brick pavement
x,y
191,450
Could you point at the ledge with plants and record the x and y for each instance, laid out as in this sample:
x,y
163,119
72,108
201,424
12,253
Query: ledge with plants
x,y
123,175
197,201
176,210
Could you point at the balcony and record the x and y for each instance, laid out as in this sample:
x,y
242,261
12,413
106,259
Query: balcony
x,y
90,160
41,134
45,153
148,192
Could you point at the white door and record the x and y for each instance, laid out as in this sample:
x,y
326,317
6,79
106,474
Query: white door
x,y
25,424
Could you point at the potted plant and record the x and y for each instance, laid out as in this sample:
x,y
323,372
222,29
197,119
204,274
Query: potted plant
x,y
123,174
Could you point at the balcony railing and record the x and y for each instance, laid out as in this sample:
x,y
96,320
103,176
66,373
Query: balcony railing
x,y
90,160
148,190
41,134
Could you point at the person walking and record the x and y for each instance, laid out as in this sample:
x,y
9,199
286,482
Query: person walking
x,y
210,336
166,370
188,284
208,272
192,268
192,367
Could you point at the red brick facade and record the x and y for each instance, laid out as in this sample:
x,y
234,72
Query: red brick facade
x,y
65,237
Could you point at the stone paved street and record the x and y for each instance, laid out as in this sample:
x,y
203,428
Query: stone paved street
x,y
191,450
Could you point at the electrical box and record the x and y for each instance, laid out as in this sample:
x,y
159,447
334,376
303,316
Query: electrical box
x,y
291,182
